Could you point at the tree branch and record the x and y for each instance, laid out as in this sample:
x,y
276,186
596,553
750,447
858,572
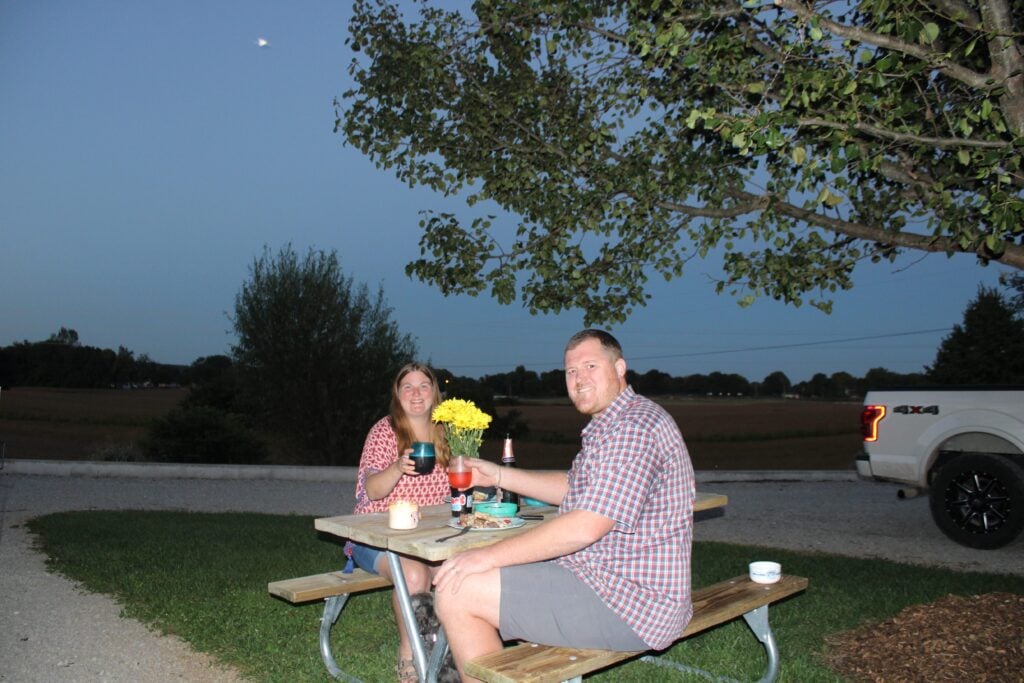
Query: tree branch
x,y
957,12
938,59
1012,256
754,204
876,131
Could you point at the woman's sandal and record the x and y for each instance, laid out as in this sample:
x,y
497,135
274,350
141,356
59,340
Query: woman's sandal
x,y
406,671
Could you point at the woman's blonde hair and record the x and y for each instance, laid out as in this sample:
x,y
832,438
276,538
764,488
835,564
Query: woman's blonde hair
x,y
400,422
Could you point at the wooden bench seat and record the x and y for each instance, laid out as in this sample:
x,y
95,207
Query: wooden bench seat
x,y
712,606
335,588
320,586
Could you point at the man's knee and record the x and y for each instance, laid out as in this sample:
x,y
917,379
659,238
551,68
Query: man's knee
x,y
478,596
443,603
454,605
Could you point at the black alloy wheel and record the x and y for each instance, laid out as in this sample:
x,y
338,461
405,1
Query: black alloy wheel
x,y
977,499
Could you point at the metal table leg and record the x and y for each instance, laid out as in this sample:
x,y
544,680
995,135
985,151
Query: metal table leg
x,y
332,609
419,655
757,620
437,654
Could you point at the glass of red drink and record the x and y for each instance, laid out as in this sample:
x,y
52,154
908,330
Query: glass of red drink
x,y
460,475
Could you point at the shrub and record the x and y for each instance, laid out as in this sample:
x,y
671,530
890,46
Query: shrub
x,y
117,451
201,434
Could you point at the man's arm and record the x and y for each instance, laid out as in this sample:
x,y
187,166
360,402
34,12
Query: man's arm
x,y
559,536
548,486
562,535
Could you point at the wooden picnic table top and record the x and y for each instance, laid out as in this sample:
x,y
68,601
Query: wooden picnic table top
x,y
372,529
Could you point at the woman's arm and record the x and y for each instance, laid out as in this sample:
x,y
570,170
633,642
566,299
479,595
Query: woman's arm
x,y
380,459
380,484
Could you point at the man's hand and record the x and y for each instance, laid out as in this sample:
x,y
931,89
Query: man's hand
x,y
484,473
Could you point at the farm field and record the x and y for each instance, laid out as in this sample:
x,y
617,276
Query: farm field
x,y
78,424
726,433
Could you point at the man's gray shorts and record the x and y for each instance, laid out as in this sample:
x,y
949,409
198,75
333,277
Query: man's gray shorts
x,y
545,603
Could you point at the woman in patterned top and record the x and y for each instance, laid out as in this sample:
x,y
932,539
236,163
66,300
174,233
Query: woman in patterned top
x,y
386,474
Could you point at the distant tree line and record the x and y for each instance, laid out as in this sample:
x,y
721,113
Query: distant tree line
x,y
62,361
523,383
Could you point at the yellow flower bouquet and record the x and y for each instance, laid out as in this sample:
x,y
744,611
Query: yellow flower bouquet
x,y
464,424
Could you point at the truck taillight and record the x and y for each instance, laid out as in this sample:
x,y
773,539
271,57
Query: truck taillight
x,y
869,419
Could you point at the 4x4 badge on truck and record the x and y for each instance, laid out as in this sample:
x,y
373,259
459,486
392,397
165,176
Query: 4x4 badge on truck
x,y
916,410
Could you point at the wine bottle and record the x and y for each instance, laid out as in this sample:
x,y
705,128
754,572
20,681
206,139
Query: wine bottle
x,y
508,459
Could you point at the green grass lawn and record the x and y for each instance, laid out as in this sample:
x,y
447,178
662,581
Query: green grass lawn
x,y
203,577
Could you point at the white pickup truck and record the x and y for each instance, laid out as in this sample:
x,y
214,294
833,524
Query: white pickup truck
x,y
964,445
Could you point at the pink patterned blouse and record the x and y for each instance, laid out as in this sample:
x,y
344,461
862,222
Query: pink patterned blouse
x,y
379,452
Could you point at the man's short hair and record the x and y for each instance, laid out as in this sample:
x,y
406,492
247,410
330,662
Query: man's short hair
x,y
608,342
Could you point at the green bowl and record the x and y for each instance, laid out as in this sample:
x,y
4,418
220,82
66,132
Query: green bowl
x,y
497,509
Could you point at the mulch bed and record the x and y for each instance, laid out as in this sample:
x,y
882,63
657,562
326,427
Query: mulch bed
x,y
978,638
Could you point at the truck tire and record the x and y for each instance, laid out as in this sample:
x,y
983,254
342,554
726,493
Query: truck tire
x,y
977,499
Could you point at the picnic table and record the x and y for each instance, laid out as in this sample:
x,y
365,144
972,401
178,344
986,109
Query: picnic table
x,y
421,542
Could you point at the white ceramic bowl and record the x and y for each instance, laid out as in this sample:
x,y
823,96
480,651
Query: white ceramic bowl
x,y
765,572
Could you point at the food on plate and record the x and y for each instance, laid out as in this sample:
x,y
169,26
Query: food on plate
x,y
479,520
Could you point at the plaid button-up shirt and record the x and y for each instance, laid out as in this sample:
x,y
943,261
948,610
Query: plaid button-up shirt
x,y
634,468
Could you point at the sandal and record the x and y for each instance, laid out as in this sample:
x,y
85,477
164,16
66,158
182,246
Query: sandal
x,y
406,671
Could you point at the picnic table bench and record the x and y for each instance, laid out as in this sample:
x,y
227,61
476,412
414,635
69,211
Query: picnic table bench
x,y
712,606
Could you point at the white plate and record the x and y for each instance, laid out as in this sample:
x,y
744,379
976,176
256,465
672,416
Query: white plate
x,y
516,523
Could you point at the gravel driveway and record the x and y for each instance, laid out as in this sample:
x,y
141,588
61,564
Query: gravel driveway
x,y
53,631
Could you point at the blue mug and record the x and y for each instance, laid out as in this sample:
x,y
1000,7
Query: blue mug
x,y
423,457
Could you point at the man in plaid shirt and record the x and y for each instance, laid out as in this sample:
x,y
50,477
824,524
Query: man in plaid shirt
x,y
612,570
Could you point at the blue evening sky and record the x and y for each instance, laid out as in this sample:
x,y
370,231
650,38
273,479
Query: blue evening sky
x,y
149,150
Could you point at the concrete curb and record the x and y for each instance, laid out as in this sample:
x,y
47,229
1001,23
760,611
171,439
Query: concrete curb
x,y
159,470
712,476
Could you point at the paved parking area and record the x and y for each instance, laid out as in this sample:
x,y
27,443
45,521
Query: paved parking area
x,y
856,518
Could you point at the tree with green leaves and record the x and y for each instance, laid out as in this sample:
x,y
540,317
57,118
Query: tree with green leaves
x,y
1014,282
316,353
988,348
66,336
213,382
776,384
794,139
877,378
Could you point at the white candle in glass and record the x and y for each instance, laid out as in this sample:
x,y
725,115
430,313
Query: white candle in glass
x,y
403,514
